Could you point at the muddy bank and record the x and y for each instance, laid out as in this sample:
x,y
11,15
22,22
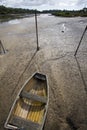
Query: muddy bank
x,y
68,95
8,17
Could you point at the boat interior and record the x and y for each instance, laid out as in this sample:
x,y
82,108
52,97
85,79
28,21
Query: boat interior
x,y
31,104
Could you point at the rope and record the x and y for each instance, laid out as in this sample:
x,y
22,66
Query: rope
x,y
23,73
80,41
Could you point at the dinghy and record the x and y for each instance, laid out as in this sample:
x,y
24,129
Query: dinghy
x,y
30,107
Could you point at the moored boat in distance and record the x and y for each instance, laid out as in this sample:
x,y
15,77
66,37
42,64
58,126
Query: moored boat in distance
x,y
29,110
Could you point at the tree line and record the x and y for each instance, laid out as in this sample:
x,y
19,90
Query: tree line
x,y
8,13
7,10
4,11
68,13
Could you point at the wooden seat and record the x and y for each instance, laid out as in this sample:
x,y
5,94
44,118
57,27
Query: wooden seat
x,y
24,124
33,97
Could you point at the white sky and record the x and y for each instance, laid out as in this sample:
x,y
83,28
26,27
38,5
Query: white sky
x,y
45,4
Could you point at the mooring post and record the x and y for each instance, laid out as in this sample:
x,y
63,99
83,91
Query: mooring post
x,y
36,30
80,41
2,47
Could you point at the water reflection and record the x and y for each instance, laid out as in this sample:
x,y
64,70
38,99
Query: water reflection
x,y
16,21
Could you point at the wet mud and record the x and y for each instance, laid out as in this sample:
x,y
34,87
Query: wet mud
x,y
67,77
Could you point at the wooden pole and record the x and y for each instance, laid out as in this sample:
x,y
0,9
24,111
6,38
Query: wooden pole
x,y
80,41
1,47
36,30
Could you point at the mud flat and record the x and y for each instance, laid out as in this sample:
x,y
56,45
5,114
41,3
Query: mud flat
x,y
67,75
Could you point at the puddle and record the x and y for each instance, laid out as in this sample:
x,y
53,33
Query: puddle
x,y
16,21
83,21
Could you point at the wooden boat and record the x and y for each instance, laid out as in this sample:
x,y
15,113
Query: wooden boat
x,y
30,107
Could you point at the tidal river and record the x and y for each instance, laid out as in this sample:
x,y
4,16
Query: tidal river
x,y
67,75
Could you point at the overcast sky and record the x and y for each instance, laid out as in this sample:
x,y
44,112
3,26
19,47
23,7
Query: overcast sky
x,y
45,4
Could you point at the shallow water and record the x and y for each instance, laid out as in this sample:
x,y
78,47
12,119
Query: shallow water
x,y
16,21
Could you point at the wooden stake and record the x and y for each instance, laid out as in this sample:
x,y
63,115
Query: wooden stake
x,y
36,31
1,47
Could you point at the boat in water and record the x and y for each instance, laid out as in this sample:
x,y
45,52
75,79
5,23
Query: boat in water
x,y
29,110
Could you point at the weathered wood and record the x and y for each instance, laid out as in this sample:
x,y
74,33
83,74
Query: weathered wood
x,y
30,107
2,50
41,115
40,77
34,97
36,31
36,111
22,123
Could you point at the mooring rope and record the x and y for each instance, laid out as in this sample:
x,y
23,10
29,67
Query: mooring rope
x,y
23,72
80,41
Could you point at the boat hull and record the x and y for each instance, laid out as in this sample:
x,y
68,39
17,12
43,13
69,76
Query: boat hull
x,y
29,110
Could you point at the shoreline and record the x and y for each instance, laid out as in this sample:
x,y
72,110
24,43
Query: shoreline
x,y
8,17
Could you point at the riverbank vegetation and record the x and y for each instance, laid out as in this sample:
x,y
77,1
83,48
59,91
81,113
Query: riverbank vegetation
x,y
68,13
7,13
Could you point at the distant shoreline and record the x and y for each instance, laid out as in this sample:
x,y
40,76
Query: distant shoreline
x,y
69,15
7,17
8,13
